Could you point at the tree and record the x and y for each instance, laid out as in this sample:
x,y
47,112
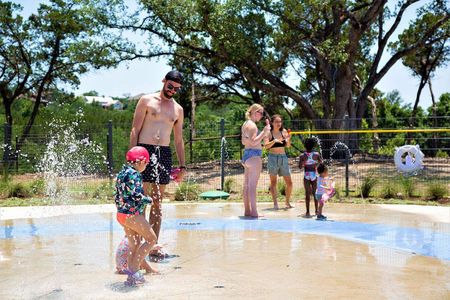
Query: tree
x,y
252,47
441,113
50,48
424,61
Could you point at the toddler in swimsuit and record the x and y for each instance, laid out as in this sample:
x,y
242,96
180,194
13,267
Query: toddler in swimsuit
x,y
309,161
325,189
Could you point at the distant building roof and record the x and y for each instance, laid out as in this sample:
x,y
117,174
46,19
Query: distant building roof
x,y
99,99
104,101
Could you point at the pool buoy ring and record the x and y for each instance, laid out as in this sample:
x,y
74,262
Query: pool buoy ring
x,y
410,163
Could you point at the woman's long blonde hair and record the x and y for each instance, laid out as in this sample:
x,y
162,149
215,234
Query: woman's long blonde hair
x,y
251,109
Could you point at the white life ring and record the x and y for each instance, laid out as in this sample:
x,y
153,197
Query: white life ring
x,y
412,161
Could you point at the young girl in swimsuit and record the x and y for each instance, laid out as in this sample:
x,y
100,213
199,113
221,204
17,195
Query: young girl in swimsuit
x,y
309,160
130,202
278,164
325,189
251,159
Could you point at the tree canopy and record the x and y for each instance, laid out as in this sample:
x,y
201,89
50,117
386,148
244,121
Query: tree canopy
x,y
326,52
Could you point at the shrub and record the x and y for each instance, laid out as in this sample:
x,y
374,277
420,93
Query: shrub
x,y
437,191
104,190
389,190
19,190
441,154
187,192
367,185
227,185
281,188
408,186
37,186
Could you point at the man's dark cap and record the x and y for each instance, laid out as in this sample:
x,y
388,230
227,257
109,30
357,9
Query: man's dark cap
x,y
175,76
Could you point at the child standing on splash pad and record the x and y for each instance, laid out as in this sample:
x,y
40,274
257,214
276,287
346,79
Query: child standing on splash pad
x,y
325,189
309,161
130,202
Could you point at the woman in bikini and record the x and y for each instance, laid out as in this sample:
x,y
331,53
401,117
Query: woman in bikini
x,y
278,164
251,160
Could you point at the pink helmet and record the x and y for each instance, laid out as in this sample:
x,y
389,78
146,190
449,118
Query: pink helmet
x,y
138,153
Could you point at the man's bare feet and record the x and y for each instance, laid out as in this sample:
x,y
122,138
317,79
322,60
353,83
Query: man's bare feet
x,y
157,247
156,251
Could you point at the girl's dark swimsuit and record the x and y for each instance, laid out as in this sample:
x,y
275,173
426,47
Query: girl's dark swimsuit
x,y
278,144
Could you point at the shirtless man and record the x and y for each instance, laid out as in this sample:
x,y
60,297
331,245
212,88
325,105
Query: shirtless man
x,y
154,118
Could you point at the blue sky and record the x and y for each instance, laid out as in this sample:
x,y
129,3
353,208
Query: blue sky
x,y
143,76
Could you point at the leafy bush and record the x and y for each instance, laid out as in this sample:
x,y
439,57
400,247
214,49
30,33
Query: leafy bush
x,y
4,188
38,186
389,190
408,186
437,191
187,192
10,189
367,185
19,190
281,188
104,190
441,154
227,185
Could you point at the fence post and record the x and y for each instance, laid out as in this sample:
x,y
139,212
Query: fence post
x,y
190,144
109,148
17,156
7,148
346,174
222,154
349,136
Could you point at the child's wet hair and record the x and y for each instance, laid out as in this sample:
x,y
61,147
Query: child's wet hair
x,y
309,144
321,168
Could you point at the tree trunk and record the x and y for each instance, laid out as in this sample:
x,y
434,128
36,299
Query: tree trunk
x,y
342,107
434,109
376,138
29,125
7,139
412,120
193,111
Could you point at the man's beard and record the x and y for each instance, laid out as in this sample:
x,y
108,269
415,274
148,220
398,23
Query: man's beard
x,y
167,95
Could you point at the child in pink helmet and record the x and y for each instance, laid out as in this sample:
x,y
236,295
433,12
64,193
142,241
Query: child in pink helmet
x,y
130,202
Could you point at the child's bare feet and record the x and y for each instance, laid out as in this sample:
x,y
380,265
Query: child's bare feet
x,y
275,207
257,216
307,215
149,269
152,271
289,205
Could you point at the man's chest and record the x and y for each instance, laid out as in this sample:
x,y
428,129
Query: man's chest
x,y
161,112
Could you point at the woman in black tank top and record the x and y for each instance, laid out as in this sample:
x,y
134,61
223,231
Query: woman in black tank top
x,y
277,163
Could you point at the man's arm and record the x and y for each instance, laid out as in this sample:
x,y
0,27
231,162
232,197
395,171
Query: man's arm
x,y
138,121
178,138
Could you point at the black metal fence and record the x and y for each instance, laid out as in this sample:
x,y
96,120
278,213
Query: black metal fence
x,y
213,153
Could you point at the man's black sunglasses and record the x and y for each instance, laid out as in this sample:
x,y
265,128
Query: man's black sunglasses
x,y
173,88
